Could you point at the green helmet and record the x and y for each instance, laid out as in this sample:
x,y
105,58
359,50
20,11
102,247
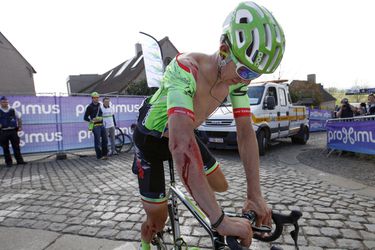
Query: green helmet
x,y
94,94
255,37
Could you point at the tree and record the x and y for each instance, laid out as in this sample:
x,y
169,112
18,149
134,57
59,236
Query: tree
x,y
357,86
139,88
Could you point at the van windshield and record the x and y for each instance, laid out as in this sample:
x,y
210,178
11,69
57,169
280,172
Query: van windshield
x,y
255,94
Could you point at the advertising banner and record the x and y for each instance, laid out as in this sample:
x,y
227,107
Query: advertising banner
x,y
56,123
318,119
355,136
153,60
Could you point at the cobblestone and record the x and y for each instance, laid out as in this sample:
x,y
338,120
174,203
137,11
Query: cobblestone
x,y
349,244
89,231
81,197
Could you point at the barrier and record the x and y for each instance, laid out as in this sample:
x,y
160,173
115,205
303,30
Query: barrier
x,y
355,134
318,119
55,123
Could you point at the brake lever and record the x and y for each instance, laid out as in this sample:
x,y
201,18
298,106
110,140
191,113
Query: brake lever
x,y
279,219
251,216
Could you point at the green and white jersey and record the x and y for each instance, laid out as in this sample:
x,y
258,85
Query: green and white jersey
x,y
176,94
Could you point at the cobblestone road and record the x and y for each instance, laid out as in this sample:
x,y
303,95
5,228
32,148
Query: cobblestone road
x,y
84,196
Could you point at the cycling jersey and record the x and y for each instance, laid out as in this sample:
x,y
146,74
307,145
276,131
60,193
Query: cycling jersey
x,y
175,95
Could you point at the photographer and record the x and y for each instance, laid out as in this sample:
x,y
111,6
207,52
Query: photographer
x,y
346,110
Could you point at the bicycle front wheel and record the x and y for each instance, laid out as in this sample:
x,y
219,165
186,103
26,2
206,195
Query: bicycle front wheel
x,y
128,143
119,140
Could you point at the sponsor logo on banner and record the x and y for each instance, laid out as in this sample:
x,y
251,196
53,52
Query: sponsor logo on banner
x,y
39,137
354,135
349,135
36,109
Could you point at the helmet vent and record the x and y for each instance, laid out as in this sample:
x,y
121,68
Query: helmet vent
x,y
264,61
275,56
256,7
249,49
278,37
240,37
244,20
254,45
268,36
243,16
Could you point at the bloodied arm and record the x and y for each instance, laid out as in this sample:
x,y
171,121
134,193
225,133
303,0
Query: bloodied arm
x,y
248,149
189,164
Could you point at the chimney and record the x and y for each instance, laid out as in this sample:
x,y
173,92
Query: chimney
x,y
138,48
311,78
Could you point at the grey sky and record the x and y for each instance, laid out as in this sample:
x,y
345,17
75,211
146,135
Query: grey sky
x,y
331,38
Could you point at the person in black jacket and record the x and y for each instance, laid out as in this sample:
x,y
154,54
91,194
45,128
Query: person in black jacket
x,y
346,110
10,123
94,116
371,104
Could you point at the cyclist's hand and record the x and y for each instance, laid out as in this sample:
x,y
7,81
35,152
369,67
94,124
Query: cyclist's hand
x,y
234,226
262,211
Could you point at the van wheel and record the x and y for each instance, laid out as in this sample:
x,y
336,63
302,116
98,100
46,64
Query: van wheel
x,y
262,142
302,137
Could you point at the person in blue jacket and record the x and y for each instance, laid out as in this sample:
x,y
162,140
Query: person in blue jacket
x,y
10,124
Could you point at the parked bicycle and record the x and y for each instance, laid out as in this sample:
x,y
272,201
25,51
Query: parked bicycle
x,y
123,141
264,233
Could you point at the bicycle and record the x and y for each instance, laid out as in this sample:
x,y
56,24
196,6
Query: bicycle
x,y
123,141
263,233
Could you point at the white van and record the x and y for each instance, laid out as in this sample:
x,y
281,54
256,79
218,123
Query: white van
x,y
273,116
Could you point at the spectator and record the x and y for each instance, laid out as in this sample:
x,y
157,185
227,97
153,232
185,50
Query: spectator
x,y
371,104
356,111
94,115
346,110
10,123
109,122
362,109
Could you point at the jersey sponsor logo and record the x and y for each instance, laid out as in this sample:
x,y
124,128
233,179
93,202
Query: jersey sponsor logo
x,y
239,91
238,112
180,110
188,92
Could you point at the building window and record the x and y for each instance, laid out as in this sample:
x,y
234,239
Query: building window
x,y
272,92
123,67
135,64
282,96
108,76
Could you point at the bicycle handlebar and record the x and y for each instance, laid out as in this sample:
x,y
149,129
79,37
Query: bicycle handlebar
x,y
279,219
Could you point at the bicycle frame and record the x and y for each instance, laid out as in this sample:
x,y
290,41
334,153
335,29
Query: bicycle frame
x,y
173,194
218,242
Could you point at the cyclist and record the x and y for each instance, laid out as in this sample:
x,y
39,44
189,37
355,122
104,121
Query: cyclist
x,y
193,86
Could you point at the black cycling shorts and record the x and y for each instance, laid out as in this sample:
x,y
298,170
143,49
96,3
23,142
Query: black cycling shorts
x,y
150,154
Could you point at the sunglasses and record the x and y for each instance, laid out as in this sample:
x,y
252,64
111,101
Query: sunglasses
x,y
243,71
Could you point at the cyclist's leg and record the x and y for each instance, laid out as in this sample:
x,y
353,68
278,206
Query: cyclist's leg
x,y
152,188
215,175
156,217
148,165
